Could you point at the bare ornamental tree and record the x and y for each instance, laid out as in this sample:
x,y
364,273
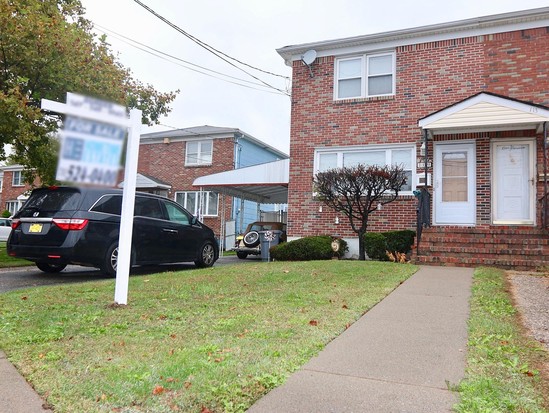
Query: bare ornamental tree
x,y
357,191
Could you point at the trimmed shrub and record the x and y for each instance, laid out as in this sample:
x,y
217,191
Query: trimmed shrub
x,y
307,249
6,213
375,245
400,241
378,243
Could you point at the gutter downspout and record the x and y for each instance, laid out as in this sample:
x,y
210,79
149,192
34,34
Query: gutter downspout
x,y
425,139
545,144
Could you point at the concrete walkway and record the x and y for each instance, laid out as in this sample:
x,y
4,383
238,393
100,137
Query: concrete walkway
x,y
399,357
16,395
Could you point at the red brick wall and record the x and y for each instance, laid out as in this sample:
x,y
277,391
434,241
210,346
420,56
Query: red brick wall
x,y
429,77
9,192
517,65
166,162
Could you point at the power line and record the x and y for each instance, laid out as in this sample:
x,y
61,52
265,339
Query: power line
x,y
160,54
211,49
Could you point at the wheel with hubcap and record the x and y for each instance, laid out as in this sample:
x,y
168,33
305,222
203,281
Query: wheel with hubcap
x,y
110,261
206,258
251,239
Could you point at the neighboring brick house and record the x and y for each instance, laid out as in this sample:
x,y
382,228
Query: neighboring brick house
x,y
468,99
13,190
178,157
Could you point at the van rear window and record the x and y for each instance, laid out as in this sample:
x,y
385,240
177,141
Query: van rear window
x,y
51,200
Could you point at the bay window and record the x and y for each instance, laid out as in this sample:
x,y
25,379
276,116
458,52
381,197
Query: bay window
x,y
401,155
199,203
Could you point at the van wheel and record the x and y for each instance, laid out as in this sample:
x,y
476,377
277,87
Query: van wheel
x,y
206,258
241,255
110,261
50,268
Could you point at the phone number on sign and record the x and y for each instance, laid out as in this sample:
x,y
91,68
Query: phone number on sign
x,y
83,174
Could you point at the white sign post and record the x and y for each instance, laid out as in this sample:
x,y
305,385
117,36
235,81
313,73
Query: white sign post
x,y
90,154
126,220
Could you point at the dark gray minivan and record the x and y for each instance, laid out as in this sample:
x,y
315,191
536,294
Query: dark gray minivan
x,y
58,226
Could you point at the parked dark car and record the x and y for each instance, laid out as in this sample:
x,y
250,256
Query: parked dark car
x,y
67,225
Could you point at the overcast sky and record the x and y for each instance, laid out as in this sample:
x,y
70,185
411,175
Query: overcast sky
x,y
251,31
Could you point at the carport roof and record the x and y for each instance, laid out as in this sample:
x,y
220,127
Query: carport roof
x,y
265,183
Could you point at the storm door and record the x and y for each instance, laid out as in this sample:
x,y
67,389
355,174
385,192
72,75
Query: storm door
x,y
513,182
455,183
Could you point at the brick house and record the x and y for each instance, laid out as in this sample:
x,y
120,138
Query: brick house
x,y
463,106
13,190
176,158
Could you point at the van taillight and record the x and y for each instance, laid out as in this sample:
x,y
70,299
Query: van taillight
x,y
70,224
15,223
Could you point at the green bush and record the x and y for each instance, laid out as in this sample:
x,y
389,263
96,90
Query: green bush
x,y
378,243
307,249
375,245
400,241
6,213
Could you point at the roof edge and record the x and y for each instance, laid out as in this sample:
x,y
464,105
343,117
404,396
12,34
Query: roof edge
x,y
523,17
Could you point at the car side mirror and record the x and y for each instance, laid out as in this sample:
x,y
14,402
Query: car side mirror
x,y
194,220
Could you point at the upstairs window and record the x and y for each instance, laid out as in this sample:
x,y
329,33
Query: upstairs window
x,y
199,153
17,179
365,76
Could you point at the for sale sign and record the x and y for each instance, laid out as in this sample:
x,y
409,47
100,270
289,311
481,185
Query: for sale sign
x,y
91,141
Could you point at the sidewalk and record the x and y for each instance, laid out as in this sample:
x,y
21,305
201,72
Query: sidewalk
x,y
16,395
399,357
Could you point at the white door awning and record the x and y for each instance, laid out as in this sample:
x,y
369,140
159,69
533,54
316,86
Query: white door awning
x,y
265,183
486,112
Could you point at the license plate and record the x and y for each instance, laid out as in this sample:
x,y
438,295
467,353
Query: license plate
x,y
35,228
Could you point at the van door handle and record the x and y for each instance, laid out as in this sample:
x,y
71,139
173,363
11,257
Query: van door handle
x,y
171,231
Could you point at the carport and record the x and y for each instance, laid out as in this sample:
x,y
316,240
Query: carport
x,y
265,183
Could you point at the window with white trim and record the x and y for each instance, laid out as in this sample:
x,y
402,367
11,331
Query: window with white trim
x,y
402,155
17,178
199,153
365,76
13,206
199,203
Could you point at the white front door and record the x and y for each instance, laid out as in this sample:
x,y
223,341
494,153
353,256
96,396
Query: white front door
x,y
513,182
455,183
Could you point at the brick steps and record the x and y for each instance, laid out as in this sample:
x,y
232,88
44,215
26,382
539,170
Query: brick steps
x,y
506,247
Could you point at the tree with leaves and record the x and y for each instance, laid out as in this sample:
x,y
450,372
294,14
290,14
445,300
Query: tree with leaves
x,y
358,191
47,49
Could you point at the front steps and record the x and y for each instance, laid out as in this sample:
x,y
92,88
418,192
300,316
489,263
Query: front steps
x,y
521,248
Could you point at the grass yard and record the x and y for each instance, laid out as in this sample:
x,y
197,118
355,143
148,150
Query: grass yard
x,y
501,374
6,261
200,340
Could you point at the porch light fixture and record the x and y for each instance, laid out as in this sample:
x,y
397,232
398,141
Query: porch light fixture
x,y
422,149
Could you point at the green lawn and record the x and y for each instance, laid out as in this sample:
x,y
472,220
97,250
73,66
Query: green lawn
x,y
214,339
7,261
502,367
